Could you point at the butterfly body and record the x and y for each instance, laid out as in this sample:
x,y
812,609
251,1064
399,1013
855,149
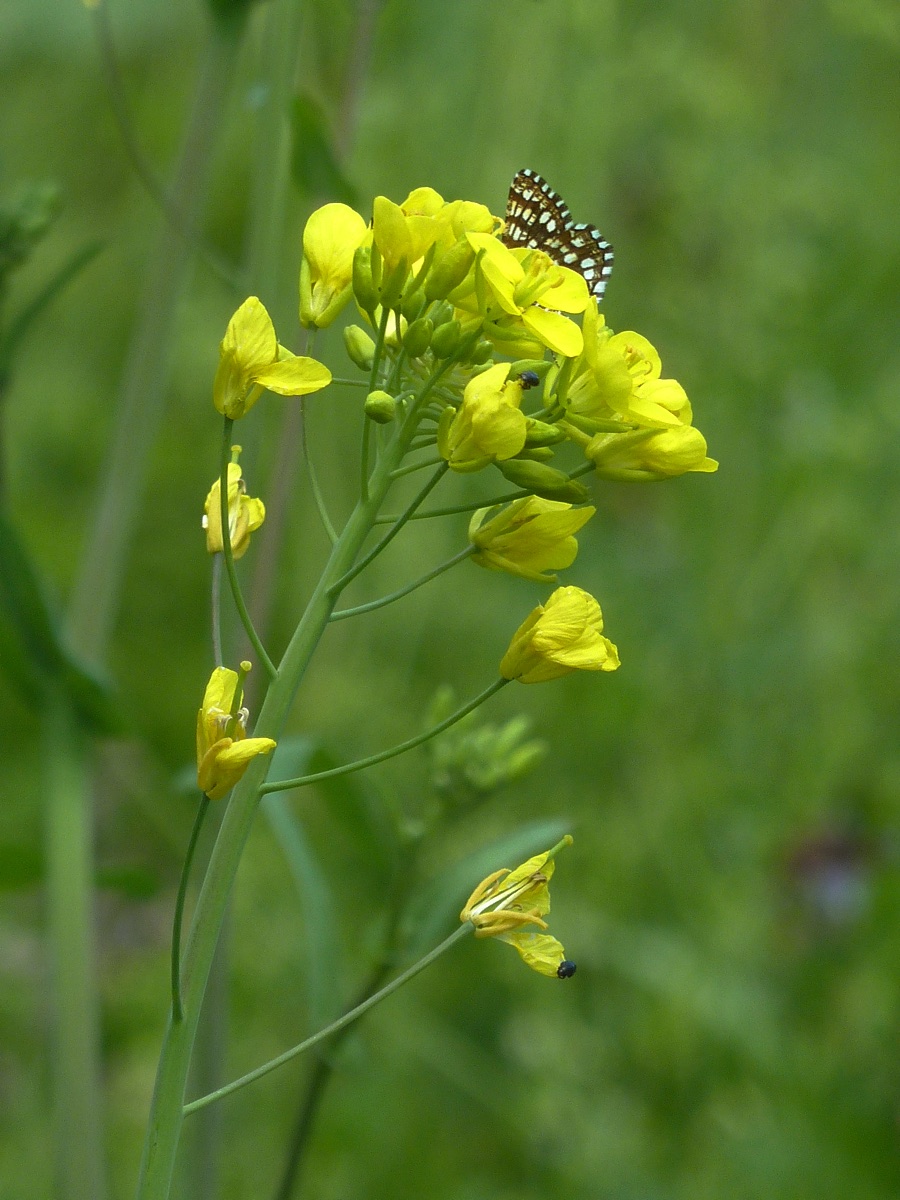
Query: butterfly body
x,y
538,218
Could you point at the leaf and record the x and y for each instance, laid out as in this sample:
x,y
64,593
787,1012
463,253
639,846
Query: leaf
x,y
33,652
351,799
314,162
438,903
322,950
20,867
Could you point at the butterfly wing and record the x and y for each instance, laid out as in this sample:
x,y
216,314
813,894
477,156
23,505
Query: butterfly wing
x,y
538,218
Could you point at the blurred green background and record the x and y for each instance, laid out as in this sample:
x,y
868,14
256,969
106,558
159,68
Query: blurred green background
x,y
732,897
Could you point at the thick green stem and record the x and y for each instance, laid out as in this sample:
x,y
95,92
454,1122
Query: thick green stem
x,y
166,1116
69,889
353,1015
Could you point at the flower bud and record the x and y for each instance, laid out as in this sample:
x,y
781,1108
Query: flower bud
x,y
445,340
450,271
413,304
542,434
417,338
380,407
359,346
364,288
543,480
392,285
536,453
482,353
537,366
442,313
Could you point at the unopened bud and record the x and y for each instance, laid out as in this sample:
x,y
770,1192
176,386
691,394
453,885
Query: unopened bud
x,y
541,434
446,338
380,407
413,305
417,338
482,352
543,480
359,346
449,273
363,280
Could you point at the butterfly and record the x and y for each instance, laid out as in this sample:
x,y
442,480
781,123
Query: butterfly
x,y
538,218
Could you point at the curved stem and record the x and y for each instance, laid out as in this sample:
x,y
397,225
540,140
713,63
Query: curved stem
x,y
177,1010
314,478
343,613
283,785
228,555
399,522
353,1015
471,506
419,466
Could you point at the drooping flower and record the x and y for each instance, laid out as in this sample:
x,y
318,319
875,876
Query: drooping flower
x,y
528,537
331,237
245,513
505,903
488,426
251,359
223,749
657,454
558,637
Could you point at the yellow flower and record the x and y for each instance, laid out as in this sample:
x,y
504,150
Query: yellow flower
x,y
507,901
404,236
488,426
331,237
523,292
245,514
223,749
251,359
561,636
618,375
528,537
657,454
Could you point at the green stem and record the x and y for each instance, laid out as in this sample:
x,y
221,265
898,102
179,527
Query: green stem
x,y
283,785
177,1010
69,890
419,466
96,595
343,613
353,1015
314,477
216,609
391,533
228,554
166,1115
471,506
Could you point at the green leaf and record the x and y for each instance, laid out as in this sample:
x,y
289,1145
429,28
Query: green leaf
x,y
314,163
352,800
322,950
33,653
20,867
437,905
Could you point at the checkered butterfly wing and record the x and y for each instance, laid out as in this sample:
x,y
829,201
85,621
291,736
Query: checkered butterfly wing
x,y
538,218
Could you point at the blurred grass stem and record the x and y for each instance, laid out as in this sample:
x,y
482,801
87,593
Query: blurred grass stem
x,y
77,1085
177,1011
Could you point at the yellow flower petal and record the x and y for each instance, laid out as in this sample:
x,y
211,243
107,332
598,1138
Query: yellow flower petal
x,y
294,376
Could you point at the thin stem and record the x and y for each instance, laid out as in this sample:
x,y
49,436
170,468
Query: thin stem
x,y
283,785
471,506
228,554
419,466
177,1010
342,613
314,478
358,383
399,522
353,1015
216,609
367,424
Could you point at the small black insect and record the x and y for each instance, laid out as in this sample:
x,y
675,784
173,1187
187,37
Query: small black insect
x,y
529,379
566,969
